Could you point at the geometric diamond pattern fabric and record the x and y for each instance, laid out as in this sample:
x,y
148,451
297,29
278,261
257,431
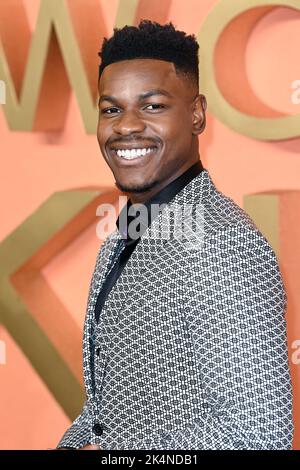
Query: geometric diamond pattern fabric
x,y
190,351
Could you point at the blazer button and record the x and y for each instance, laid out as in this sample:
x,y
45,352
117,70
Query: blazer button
x,y
98,351
97,429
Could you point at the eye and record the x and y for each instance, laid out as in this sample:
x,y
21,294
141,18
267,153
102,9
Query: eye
x,y
156,106
105,111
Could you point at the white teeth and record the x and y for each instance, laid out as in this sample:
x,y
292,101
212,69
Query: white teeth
x,y
134,153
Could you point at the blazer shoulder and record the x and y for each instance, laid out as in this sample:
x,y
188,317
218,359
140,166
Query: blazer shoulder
x,y
106,248
224,219
221,212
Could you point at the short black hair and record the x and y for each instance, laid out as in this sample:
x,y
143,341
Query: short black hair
x,y
151,40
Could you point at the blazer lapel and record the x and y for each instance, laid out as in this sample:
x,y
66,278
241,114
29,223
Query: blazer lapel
x,y
106,255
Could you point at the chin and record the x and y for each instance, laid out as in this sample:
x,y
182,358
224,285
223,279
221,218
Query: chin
x,y
138,188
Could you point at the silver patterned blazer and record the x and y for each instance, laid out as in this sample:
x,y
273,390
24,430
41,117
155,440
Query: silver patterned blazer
x,y
190,350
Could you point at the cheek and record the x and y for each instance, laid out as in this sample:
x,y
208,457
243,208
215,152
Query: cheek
x,y
174,127
103,133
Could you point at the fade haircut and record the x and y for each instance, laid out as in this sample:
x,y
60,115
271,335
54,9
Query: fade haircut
x,y
151,40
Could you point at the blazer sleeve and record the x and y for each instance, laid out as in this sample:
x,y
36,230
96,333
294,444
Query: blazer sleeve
x,y
235,309
238,330
79,433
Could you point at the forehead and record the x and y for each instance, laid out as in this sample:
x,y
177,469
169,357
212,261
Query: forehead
x,y
131,77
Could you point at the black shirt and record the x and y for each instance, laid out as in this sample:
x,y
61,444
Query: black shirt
x,y
129,240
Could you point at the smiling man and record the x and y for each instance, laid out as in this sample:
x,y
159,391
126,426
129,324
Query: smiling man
x,y
185,337
150,117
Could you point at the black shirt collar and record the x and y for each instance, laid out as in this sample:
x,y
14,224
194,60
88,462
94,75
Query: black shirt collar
x,y
162,197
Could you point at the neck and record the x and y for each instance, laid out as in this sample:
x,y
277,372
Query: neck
x,y
141,198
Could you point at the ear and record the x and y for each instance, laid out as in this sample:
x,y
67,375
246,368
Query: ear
x,y
199,119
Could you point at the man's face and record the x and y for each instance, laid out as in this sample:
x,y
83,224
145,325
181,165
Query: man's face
x,y
146,129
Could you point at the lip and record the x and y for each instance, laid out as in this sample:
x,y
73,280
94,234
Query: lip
x,y
136,161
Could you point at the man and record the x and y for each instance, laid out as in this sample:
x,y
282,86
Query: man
x,y
185,337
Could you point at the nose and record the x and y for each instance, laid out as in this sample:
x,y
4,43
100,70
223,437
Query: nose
x,y
127,123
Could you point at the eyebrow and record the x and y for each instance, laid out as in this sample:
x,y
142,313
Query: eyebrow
x,y
141,97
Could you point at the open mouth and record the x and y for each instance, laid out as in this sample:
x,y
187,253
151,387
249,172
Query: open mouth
x,y
135,153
